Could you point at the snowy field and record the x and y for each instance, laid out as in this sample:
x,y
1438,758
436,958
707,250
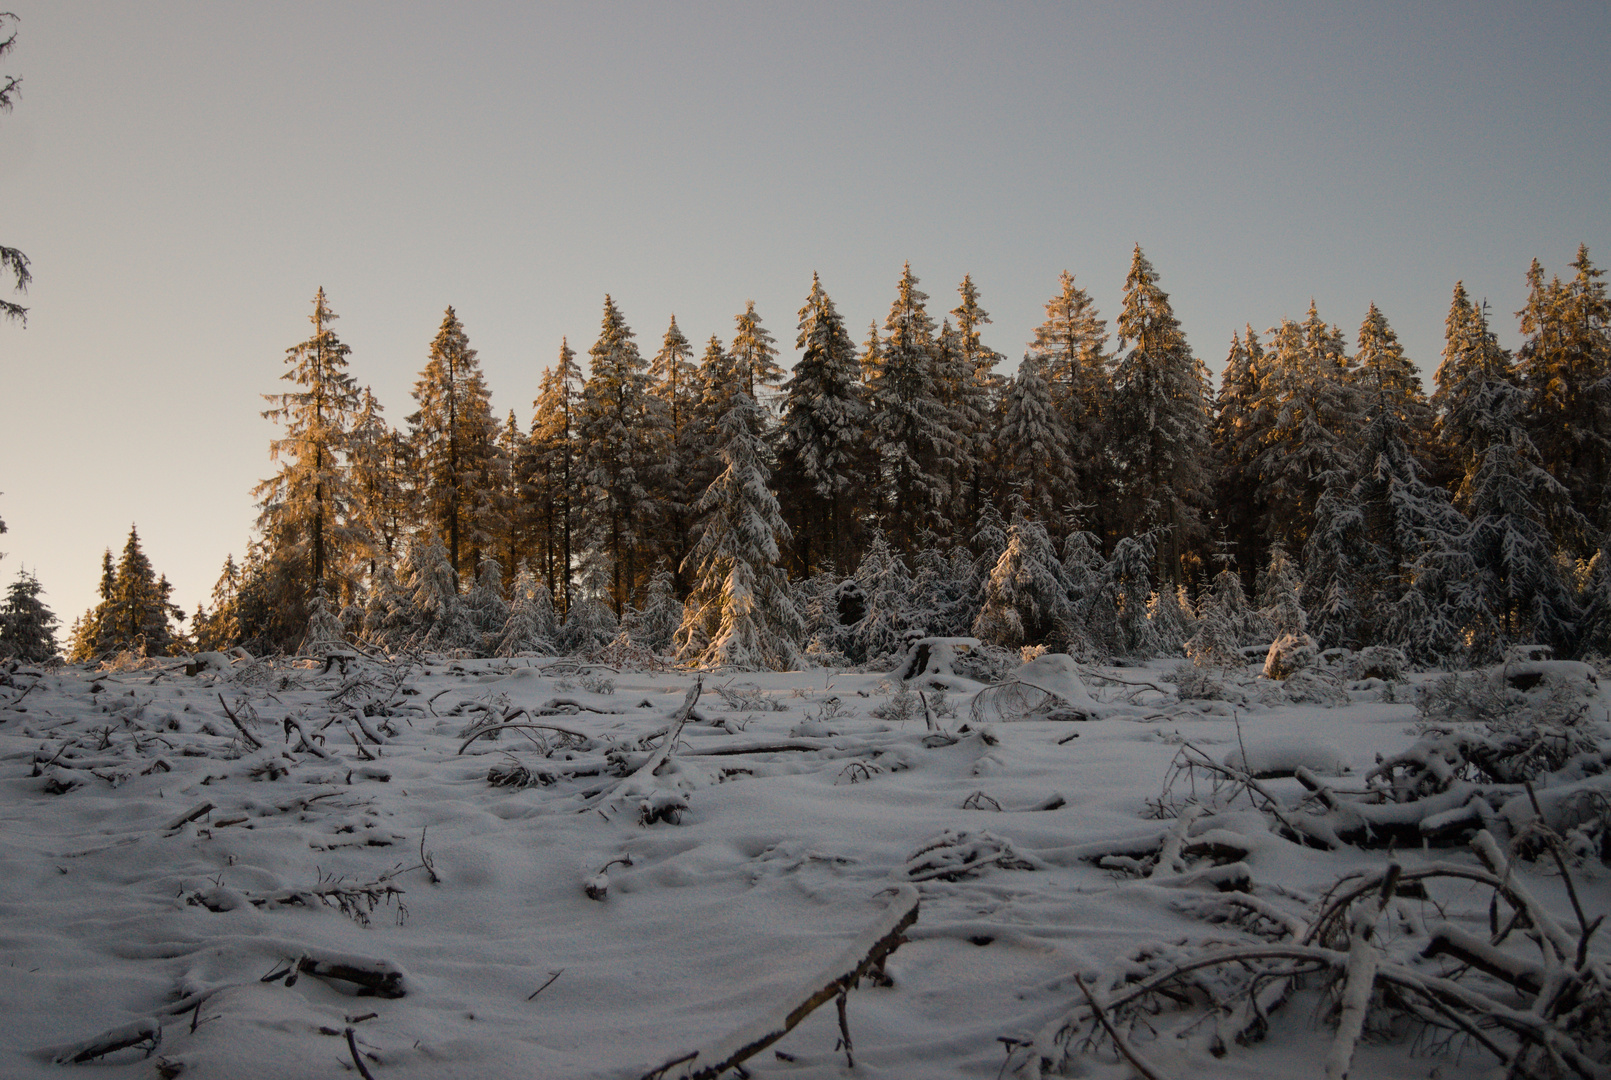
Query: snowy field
x,y
620,899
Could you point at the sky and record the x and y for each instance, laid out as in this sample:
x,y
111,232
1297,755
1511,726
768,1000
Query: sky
x,y
184,177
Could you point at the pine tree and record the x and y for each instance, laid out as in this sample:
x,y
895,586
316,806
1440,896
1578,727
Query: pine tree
x,y
913,433
1160,421
27,625
221,628
455,436
486,605
1277,596
1125,596
655,627
1307,406
1032,443
325,634
1025,598
822,451
1238,437
432,586
1388,383
614,444
754,354
384,500
530,626
1070,352
886,586
1566,365
984,392
674,399
740,614
551,473
1472,358
1509,587
307,505
12,261
135,612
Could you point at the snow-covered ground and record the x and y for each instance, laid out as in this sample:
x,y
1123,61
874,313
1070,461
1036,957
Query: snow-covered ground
x,y
179,869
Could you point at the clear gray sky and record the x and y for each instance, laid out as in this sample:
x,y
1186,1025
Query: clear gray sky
x,y
185,175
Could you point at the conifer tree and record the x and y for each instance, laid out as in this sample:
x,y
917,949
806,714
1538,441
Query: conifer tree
x,y
1388,383
754,354
1032,445
674,400
551,474
913,433
822,451
984,392
1070,352
486,605
1160,422
12,261
1565,363
613,438
27,625
432,585
325,634
135,613
1025,597
1472,357
381,460
886,586
530,626
455,437
1238,435
1306,407
307,505
1125,595
221,628
655,627
740,613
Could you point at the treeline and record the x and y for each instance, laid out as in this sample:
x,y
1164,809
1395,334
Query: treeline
x,y
1104,499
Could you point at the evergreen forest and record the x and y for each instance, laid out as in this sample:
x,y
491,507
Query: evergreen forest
x,y
702,504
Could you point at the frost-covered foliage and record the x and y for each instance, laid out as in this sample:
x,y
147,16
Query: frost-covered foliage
x,y
1289,654
1025,596
1216,644
530,626
27,625
441,620
1124,597
1277,596
739,614
589,625
325,631
485,604
655,626
886,587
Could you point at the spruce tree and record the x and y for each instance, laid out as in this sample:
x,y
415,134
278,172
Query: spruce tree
x,y
886,586
27,625
1472,358
740,614
307,506
984,392
674,394
384,497
1032,443
913,432
1070,352
613,437
455,437
1565,363
135,613
1159,440
551,474
754,354
822,449
12,261
1306,408
1238,436
1025,597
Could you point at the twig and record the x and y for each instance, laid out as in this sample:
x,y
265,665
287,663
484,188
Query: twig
x,y
357,1058
1119,1043
240,727
552,975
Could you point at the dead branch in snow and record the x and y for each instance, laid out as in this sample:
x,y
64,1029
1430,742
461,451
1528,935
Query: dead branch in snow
x,y
866,953
251,740
147,1032
658,758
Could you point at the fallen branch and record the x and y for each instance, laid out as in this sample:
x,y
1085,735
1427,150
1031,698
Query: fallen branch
x,y
1136,1061
109,1042
867,952
251,740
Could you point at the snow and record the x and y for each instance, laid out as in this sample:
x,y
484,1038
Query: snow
x,y
771,855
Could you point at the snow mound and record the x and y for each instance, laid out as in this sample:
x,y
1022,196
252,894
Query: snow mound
x,y
1283,755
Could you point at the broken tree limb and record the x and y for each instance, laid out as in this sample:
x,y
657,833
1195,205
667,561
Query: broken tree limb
x,y
251,740
868,951
1136,1061
109,1042
192,814
492,729
658,758
1359,978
